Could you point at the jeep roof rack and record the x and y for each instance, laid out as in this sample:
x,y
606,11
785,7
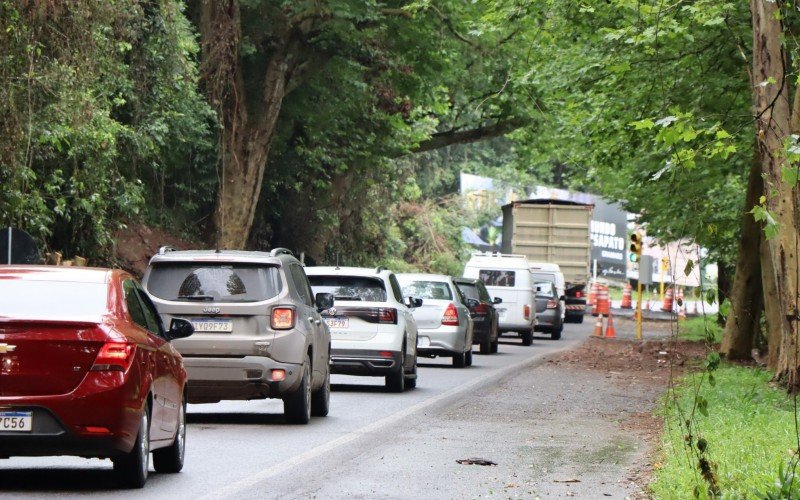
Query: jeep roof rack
x,y
166,248
280,251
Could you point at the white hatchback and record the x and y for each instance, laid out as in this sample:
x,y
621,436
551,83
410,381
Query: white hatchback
x,y
373,332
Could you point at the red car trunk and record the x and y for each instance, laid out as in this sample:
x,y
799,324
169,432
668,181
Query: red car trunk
x,y
46,357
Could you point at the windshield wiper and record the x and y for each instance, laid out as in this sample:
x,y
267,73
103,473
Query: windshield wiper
x,y
195,297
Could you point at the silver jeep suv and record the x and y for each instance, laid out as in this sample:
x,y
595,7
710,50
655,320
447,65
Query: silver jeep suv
x,y
258,331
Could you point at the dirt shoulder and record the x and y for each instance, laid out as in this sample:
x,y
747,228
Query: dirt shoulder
x,y
633,376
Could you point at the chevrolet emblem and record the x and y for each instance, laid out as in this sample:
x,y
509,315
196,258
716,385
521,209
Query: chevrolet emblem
x,y
4,348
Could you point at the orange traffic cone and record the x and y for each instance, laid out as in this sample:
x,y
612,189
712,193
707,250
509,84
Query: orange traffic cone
x,y
611,333
598,327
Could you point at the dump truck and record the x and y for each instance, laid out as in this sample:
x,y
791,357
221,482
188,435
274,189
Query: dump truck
x,y
555,232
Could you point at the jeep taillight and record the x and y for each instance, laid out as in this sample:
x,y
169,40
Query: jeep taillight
x,y
283,318
526,311
450,317
114,356
552,304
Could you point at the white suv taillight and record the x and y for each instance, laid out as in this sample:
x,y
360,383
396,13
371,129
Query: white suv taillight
x,y
114,356
450,317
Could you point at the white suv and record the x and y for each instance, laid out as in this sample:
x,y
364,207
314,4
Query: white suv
x,y
372,330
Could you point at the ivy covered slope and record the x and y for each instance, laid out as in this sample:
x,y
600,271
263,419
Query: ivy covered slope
x,y
101,118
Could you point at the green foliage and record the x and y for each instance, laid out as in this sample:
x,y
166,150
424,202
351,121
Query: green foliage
x,y
700,328
744,428
85,120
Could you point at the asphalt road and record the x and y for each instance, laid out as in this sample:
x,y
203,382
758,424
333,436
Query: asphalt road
x,y
373,444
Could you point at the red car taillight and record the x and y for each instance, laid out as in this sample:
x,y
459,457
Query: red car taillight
x,y
387,315
283,318
552,304
526,311
450,317
579,294
114,356
481,309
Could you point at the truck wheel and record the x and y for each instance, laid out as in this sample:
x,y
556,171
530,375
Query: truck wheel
x,y
494,346
527,337
297,406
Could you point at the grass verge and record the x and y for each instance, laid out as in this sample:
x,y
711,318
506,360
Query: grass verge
x,y
700,328
748,435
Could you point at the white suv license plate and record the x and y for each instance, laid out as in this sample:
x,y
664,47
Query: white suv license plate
x,y
16,421
216,325
338,322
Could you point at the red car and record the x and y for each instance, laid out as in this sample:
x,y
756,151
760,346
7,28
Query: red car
x,y
87,369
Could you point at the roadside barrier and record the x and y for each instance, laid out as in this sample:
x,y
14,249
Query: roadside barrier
x,y
603,303
667,305
627,292
611,333
598,327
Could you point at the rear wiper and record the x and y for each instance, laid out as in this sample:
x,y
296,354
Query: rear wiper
x,y
346,297
195,297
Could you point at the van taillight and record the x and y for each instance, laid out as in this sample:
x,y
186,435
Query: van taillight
x,y
450,317
387,315
283,318
526,311
115,356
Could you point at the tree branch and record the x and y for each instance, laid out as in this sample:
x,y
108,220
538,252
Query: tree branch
x,y
450,137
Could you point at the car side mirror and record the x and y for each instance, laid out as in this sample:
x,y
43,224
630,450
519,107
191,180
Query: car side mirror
x,y
179,328
413,302
497,300
323,301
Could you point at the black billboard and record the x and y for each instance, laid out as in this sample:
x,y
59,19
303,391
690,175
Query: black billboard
x,y
609,233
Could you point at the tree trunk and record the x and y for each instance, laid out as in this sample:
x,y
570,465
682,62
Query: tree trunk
x,y
746,297
247,122
724,288
772,311
773,122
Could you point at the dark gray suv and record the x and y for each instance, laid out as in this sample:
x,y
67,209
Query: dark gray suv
x,y
258,331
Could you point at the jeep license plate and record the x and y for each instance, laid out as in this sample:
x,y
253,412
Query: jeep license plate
x,y
212,325
338,322
16,421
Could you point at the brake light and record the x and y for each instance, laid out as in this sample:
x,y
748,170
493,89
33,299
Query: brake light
x,y
579,294
450,317
526,311
552,304
283,318
481,309
387,315
115,356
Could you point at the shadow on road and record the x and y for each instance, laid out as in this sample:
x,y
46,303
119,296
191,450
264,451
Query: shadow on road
x,y
236,418
358,388
63,479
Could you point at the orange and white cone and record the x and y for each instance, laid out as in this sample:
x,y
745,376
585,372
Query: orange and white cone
x,y
598,327
611,333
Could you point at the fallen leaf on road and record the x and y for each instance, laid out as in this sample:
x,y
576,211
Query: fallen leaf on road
x,y
475,461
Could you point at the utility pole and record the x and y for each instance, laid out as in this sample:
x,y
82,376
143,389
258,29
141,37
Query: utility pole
x,y
636,256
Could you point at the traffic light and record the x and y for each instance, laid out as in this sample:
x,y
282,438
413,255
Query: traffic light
x,y
636,246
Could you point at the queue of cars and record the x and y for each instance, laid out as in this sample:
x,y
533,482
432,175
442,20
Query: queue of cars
x,y
88,368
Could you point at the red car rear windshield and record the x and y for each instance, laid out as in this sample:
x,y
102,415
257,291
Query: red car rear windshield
x,y
52,300
214,282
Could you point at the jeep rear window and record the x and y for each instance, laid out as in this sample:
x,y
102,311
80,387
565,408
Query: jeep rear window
x,y
469,290
492,277
350,287
193,282
437,290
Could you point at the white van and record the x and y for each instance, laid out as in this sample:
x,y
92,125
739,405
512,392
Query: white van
x,y
508,277
546,271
